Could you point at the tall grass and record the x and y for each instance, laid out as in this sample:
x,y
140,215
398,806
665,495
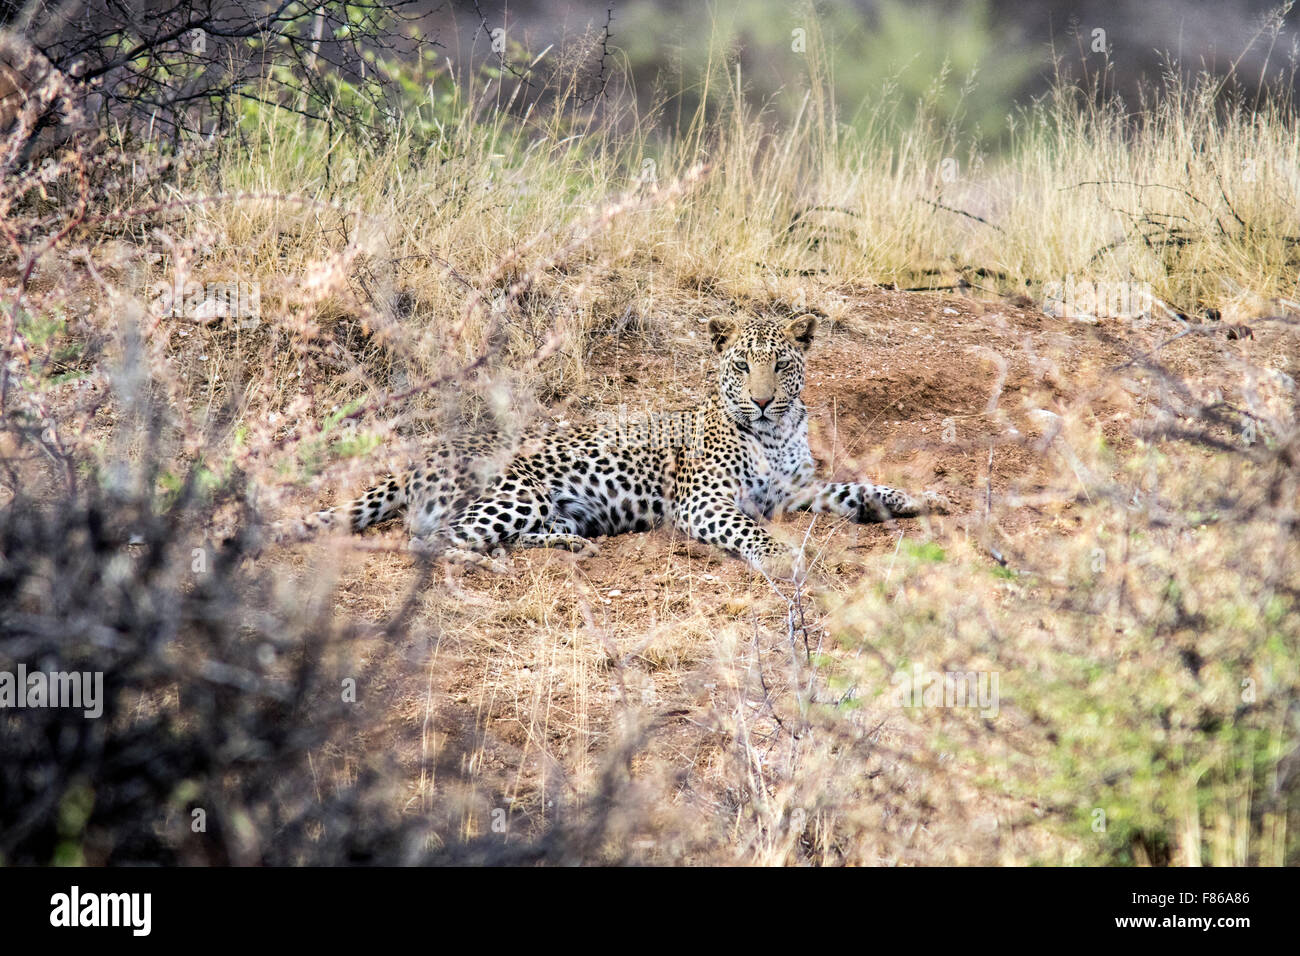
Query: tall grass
x,y
1194,193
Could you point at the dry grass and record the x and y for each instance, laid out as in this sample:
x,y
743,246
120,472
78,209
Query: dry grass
x,y
1123,561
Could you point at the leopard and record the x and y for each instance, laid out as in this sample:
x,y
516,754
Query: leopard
x,y
715,473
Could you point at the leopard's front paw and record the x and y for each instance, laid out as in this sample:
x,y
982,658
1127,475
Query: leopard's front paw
x,y
783,565
574,544
936,504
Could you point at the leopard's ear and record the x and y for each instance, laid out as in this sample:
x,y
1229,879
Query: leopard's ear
x,y
800,329
723,331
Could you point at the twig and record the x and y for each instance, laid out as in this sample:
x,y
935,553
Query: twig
x,y
962,212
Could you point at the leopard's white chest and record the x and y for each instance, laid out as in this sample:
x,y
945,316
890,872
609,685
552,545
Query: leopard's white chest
x,y
775,467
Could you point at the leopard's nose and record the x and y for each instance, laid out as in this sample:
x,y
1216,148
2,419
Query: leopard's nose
x,y
762,403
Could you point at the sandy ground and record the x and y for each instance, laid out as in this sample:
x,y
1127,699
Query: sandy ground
x,y
511,694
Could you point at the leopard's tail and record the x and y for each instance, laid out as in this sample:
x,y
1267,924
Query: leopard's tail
x,y
383,501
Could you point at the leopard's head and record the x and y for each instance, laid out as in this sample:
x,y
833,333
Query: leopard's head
x,y
761,365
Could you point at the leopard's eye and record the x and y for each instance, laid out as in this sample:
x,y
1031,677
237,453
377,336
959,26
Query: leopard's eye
x,y
783,365
741,366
